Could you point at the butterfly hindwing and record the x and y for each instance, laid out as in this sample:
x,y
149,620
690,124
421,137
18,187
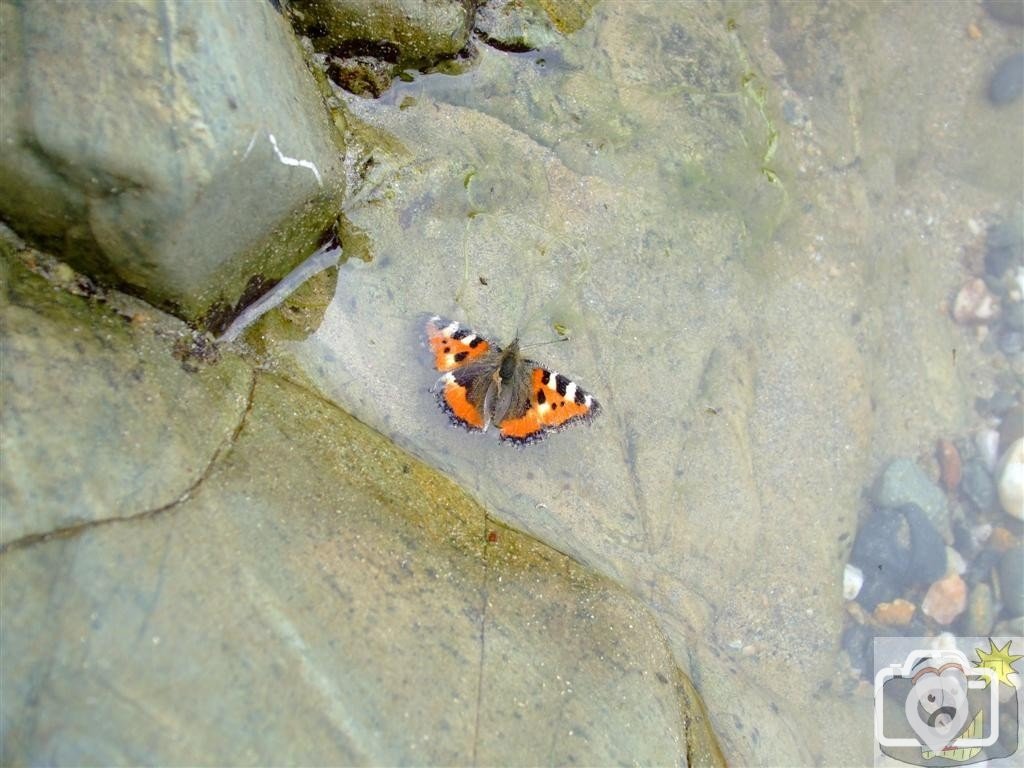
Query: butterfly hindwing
x,y
453,346
555,402
455,396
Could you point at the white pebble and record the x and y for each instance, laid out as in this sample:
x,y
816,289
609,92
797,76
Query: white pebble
x,y
1011,480
955,562
853,580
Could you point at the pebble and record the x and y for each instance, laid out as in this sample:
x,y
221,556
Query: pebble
x,y
1006,11
946,599
1002,540
896,549
898,613
1011,480
980,610
1003,248
857,644
903,482
974,303
1011,581
1000,402
1007,81
949,464
1011,429
955,562
1010,342
976,484
853,580
987,441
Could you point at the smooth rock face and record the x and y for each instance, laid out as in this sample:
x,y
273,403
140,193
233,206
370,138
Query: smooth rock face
x,y
98,420
136,145
317,597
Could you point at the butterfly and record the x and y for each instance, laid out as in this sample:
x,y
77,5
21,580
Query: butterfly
x,y
484,384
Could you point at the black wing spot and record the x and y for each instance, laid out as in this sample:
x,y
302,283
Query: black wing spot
x,y
460,356
475,343
545,378
460,333
580,397
447,350
554,406
561,383
541,398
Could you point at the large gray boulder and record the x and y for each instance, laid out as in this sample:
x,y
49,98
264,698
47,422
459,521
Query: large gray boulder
x,y
139,147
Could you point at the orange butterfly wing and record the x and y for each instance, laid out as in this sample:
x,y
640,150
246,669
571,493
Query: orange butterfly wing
x,y
453,346
555,402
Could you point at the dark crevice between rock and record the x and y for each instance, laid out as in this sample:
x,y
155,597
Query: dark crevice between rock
x,y
483,631
71,531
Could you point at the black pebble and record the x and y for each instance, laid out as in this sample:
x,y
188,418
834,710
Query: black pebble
x,y
1007,81
976,484
927,548
1003,248
890,567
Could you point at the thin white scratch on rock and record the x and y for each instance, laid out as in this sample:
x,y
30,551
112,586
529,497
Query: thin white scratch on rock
x,y
252,143
294,161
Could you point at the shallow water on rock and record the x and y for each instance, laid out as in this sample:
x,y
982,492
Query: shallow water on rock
x,y
746,219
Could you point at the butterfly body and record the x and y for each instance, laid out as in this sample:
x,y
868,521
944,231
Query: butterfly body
x,y
484,384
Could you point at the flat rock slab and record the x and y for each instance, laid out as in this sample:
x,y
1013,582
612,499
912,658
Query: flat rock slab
x,y
139,146
99,421
318,597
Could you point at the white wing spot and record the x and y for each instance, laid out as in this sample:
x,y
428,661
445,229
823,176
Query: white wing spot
x,y
570,391
450,329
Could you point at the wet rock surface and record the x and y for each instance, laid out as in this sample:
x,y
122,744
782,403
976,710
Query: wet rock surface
x,y
160,179
318,596
119,437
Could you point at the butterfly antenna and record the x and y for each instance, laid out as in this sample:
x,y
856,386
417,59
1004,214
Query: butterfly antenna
x,y
543,343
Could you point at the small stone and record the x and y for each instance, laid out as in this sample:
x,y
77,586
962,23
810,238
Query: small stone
x,y
1010,342
896,549
1003,248
1006,11
974,303
1011,581
976,484
987,441
1007,81
949,464
955,562
980,610
1011,429
1000,402
853,580
946,599
898,613
1002,540
974,31
903,482
1011,480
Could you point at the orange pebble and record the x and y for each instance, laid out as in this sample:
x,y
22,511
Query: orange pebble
x,y
898,613
949,464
